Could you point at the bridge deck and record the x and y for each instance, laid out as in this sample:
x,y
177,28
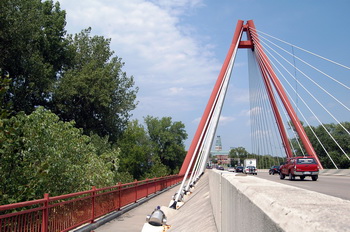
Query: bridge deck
x,y
195,215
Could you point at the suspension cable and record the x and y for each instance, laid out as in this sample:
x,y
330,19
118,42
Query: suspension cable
x,y
309,91
313,67
307,105
319,56
301,113
307,75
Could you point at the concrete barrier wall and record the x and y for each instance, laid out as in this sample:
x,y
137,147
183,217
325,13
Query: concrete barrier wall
x,y
233,211
335,172
246,203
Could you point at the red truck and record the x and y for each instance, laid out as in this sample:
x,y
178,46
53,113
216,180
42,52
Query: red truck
x,y
299,166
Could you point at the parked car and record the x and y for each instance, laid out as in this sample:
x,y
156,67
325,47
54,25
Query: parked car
x,y
239,169
231,169
250,170
274,169
302,166
220,168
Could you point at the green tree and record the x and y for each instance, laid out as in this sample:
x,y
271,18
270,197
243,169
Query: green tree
x,y
4,87
110,154
33,50
238,152
93,90
157,169
135,149
41,154
167,141
339,134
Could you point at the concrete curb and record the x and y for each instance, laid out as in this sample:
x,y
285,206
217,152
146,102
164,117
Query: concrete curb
x,y
103,220
255,204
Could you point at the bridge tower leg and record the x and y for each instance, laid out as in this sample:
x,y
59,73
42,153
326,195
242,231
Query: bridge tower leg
x,y
209,110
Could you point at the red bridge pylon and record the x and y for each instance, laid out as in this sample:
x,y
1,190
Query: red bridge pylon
x,y
209,120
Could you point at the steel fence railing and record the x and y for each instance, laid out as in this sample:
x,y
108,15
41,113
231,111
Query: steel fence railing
x,y
66,212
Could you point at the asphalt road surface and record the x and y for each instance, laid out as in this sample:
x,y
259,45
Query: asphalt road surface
x,y
337,186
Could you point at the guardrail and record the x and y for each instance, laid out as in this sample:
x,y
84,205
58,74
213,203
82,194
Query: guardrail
x,y
66,212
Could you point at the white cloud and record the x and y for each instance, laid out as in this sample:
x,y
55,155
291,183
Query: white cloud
x,y
245,113
175,90
254,111
225,120
167,63
178,7
196,120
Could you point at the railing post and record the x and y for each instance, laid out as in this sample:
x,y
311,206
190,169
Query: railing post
x,y
155,185
119,194
93,204
147,187
135,181
45,216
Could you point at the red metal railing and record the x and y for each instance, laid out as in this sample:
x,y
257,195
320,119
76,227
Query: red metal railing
x,y
65,212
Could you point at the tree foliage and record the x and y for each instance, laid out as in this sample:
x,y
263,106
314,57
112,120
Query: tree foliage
x,y
342,138
156,149
33,50
74,76
40,153
94,91
238,152
5,82
135,150
167,141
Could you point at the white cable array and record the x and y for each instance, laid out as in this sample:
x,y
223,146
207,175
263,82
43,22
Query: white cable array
x,y
307,89
307,76
282,97
313,67
293,131
302,49
208,121
260,149
266,121
275,115
259,48
210,133
307,122
308,109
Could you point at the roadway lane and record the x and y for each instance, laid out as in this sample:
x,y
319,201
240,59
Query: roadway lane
x,y
337,186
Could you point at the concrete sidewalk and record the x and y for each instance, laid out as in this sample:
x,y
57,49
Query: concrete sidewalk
x,y
197,212
134,219
195,215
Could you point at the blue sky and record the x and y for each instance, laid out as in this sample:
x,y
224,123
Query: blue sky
x,y
175,49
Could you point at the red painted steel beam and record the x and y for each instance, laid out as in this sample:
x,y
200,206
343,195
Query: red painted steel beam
x,y
283,96
245,44
203,125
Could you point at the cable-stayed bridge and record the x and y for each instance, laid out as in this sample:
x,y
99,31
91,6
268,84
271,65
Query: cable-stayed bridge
x,y
298,107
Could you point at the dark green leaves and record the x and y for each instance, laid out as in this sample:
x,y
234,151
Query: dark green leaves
x,y
94,91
